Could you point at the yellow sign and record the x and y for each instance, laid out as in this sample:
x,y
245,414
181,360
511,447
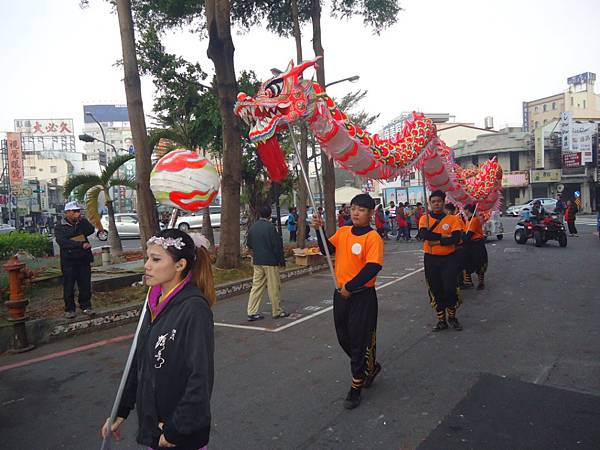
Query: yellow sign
x,y
539,148
545,176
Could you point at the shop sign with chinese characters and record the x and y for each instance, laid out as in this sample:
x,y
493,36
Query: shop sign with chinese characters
x,y
515,179
15,158
44,127
545,176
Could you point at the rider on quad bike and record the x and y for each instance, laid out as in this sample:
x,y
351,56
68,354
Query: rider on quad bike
x,y
541,228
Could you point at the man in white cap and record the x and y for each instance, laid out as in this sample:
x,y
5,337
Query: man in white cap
x,y
75,259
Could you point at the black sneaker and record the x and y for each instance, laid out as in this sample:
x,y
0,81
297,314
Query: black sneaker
x,y
281,315
254,317
369,380
441,325
70,315
454,323
352,399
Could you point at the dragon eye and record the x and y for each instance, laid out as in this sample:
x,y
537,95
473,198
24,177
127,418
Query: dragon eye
x,y
274,88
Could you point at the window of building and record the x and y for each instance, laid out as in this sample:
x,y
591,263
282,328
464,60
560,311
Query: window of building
x,y
475,160
514,161
53,169
572,101
553,105
545,121
536,109
537,124
584,104
545,107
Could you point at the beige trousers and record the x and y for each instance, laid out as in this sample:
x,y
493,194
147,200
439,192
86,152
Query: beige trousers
x,y
265,276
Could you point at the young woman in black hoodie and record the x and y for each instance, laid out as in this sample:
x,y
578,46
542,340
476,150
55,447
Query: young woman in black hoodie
x,y
171,377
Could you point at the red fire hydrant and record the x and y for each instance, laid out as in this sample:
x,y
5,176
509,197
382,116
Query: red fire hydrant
x,y
17,304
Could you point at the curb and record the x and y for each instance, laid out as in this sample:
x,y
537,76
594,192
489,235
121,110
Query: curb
x,y
42,331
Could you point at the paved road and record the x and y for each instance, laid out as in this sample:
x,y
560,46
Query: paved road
x,y
524,373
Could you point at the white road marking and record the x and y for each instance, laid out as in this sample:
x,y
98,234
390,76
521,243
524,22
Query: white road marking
x,y
241,327
315,314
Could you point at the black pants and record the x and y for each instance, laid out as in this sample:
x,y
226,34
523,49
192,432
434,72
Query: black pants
x,y
441,273
79,272
293,235
355,321
572,229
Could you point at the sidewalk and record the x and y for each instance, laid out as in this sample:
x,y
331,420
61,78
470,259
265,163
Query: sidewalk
x,y
123,275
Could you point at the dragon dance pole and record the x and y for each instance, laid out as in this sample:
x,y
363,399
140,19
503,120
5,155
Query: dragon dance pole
x,y
314,206
425,202
470,221
107,441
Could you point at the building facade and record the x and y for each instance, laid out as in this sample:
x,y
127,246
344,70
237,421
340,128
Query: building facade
x,y
579,99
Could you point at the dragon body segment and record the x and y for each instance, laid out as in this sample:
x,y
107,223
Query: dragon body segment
x,y
286,98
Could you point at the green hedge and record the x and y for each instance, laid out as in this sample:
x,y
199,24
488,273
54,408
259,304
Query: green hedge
x,y
35,244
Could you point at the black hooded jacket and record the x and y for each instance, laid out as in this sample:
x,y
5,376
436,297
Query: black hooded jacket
x,y
171,377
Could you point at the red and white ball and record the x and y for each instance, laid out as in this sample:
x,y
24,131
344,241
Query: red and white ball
x,y
184,179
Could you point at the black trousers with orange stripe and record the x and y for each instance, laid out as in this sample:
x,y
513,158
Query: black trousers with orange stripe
x,y
355,321
441,273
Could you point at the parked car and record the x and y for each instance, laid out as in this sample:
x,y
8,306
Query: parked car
x,y
189,221
127,224
549,205
6,228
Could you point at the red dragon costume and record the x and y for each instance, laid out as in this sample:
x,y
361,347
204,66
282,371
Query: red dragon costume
x,y
287,98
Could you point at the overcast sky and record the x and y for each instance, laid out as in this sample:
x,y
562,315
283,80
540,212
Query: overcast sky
x,y
469,58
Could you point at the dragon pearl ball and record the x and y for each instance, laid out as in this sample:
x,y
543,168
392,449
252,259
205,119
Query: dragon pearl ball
x,y
184,179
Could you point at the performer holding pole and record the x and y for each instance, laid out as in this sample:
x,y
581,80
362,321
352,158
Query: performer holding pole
x,y
359,258
476,253
440,233
169,372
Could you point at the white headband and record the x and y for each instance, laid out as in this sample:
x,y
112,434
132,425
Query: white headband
x,y
166,242
199,241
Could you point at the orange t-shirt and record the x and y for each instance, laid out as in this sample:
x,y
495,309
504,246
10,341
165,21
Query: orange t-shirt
x,y
447,225
352,253
474,225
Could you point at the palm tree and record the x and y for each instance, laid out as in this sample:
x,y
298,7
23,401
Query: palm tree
x,y
88,186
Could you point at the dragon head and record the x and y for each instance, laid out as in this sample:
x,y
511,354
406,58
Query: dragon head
x,y
280,101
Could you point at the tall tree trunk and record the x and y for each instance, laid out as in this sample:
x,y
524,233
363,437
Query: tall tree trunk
x,y
314,154
116,247
207,229
327,168
220,51
302,188
147,214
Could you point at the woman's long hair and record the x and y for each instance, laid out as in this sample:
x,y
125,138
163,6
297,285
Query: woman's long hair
x,y
197,261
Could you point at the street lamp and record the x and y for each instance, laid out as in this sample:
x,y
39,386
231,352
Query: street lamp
x,y
101,129
88,138
352,79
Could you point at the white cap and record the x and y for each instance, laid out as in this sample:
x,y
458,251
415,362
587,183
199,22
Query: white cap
x,y
71,206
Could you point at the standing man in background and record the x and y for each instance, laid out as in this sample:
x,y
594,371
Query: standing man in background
x,y
267,256
560,208
75,259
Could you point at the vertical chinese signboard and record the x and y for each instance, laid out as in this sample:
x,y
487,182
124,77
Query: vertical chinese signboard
x,y
539,147
15,158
